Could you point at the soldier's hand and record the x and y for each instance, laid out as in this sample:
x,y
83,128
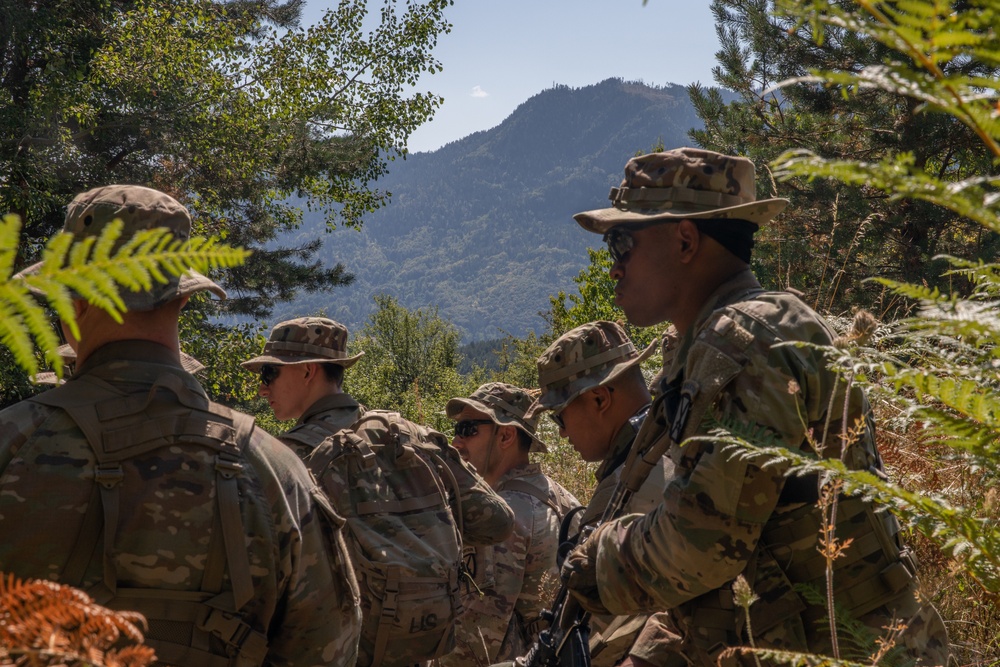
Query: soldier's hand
x,y
579,573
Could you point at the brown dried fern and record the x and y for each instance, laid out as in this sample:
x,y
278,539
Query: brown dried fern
x,y
45,624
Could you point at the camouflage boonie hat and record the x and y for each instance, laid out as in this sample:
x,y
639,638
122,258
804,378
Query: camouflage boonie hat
x,y
305,340
505,404
683,183
138,208
588,356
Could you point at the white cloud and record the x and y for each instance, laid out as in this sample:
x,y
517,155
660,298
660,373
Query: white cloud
x,y
477,91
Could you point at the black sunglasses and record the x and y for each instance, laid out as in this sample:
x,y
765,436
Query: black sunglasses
x,y
467,428
620,240
269,374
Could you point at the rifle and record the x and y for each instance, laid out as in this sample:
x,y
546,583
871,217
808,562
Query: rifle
x,y
566,642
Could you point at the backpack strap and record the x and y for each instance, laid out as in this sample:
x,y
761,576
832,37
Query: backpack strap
x,y
92,404
442,476
521,486
228,468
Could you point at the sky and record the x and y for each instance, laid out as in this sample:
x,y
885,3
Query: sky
x,y
502,52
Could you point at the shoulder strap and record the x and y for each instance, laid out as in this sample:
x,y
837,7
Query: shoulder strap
x,y
311,434
521,486
91,402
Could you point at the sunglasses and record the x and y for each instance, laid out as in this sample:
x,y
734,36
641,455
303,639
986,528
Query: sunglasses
x,y
467,428
620,240
269,374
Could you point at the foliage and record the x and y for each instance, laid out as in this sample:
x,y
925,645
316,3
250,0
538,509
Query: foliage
x,y
94,269
483,228
873,109
596,301
936,370
231,107
410,364
45,623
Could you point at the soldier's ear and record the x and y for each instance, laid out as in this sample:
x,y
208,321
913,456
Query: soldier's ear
x,y
602,397
688,237
509,437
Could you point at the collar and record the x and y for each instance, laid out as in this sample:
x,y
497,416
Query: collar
x,y
131,350
522,470
735,289
327,403
621,443
136,362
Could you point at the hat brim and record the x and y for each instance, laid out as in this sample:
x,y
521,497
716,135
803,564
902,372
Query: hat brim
x,y
455,405
599,221
160,294
290,360
588,382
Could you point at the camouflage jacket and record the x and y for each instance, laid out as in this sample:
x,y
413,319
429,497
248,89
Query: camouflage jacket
x,y
612,637
304,595
326,416
516,578
721,516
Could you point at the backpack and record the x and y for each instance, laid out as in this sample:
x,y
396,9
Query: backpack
x,y
385,475
184,627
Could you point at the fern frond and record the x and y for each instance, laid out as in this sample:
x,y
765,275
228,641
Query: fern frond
x,y
94,268
896,177
10,233
48,623
973,540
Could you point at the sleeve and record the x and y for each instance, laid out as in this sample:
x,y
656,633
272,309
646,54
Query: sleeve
x,y
488,619
706,527
541,576
656,643
318,620
486,518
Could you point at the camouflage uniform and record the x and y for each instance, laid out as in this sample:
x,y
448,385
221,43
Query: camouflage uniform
x,y
326,416
517,578
590,348
312,340
721,515
294,596
68,354
486,519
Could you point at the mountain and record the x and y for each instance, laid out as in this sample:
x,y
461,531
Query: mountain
x,y
482,228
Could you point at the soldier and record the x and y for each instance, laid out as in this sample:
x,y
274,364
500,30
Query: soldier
x,y
595,391
126,481
680,233
515,579
301,376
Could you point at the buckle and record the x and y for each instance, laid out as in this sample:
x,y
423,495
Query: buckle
x,y
109,476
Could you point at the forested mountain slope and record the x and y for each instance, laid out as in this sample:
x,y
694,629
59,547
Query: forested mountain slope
x,y
482,228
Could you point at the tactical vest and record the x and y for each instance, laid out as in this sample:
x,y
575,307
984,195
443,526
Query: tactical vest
x,y
403,511
875,571
201,627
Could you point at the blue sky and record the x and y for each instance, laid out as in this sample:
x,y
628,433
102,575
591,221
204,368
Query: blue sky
x,y
501,52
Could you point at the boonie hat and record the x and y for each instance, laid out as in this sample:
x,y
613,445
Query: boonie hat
x,y
505,404
305,340
138,208
683,183
588,356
